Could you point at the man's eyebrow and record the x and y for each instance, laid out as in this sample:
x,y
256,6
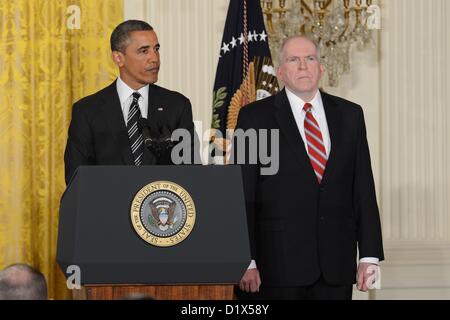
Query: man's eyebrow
x,y
143,47
149,46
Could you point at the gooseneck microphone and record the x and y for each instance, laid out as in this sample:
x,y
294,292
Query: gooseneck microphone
x,y
157,141
145,130
166,138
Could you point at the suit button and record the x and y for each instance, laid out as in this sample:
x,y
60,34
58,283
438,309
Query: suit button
x,y
322,218
321,189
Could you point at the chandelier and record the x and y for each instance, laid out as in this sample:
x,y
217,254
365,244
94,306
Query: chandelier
x,y
335,25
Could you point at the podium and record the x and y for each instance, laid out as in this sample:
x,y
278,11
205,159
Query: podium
x,y
168,232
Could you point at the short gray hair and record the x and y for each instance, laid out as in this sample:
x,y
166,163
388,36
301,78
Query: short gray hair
x,y
288,39
121,35
22,282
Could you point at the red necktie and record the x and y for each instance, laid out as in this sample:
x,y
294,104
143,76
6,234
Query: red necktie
x,y
316,149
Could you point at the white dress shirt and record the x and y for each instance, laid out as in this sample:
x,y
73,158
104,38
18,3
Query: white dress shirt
x,y
319,114
126,98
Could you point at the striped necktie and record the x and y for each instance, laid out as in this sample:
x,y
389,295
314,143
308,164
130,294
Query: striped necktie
x,y
135,136
316,149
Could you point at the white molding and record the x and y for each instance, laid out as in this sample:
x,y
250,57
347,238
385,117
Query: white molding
x,y
416,265
415,276
417,253
413,294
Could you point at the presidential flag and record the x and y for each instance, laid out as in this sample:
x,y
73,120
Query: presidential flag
x,y
245,71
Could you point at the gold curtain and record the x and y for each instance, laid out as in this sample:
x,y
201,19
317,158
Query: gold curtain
x,y
46,64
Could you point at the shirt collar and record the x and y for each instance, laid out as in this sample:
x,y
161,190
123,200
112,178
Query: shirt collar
x,y
125,91
298,102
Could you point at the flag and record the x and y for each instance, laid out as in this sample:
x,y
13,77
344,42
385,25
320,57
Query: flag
x,y
245,71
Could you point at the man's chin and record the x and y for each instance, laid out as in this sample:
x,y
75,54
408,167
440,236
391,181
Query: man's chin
x,y
304,89
150,80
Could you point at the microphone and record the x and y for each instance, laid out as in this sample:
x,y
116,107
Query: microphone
x,y
166,138
145,130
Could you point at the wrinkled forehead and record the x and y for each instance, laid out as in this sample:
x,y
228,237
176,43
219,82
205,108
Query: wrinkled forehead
x,y
301,47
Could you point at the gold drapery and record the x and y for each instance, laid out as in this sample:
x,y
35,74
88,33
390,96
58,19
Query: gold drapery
x,y
46,64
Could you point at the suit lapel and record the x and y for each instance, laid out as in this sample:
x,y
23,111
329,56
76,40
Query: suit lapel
x,y
148,157
158,111
288,128
335,128
152,115
114,117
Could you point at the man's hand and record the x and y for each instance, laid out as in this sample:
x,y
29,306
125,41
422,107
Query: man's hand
x,y
251,281
366,276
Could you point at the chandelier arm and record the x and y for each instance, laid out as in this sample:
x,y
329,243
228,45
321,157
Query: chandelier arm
x,y
268,12
358,10
368,4
347,23
364,21
304,29
325,6
305,5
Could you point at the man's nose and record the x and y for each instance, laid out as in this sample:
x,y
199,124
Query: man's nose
x,y
153,56
302,64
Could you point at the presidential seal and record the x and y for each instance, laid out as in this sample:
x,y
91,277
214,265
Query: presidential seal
x,y
163,213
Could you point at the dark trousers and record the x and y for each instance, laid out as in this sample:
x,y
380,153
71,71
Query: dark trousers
x,y
317,291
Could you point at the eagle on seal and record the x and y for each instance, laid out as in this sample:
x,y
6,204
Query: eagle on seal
x,y
163,214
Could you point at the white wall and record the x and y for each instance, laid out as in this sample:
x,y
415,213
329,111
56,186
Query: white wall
x,y
414,139
403,86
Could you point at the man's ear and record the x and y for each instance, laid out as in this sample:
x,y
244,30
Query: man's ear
x,y
322,69
279,73
117,58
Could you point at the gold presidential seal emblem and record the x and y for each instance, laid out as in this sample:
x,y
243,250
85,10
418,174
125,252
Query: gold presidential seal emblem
x,y
163,213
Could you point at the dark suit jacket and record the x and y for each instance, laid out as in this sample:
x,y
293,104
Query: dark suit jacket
x,y
98,134
299,229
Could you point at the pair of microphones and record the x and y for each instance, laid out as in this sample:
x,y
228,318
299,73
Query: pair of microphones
x,y
156,140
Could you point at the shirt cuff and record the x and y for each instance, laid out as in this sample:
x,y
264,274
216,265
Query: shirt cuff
x,y
252,265
368,260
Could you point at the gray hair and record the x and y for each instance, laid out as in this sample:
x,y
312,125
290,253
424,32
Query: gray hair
x,y
120,37
22,282
288,39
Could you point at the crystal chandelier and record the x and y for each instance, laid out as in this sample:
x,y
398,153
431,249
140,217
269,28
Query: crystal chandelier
x,y
336,25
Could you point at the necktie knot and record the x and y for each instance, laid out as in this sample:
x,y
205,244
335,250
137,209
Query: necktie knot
x,y
307,107
136,95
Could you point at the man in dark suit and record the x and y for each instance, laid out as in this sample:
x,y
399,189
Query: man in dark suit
x,y
307,221
105,127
